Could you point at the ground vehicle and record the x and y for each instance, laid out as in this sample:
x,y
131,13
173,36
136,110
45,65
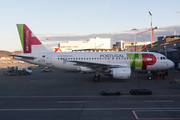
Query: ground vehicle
x,y
110,92
46,69
18,70
140,92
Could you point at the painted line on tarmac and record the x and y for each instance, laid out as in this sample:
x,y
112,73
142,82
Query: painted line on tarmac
x,y
71,102
98,96
158,101
95,109
135,116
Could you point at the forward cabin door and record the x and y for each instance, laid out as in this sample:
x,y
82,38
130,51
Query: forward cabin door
x,y
49,59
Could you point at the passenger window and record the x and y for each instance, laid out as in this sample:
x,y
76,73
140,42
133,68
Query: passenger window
x,y
97,58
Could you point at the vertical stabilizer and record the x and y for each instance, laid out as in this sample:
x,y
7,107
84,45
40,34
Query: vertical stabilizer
x,y
29,42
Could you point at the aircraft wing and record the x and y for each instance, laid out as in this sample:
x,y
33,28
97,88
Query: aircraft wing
x,y
97,65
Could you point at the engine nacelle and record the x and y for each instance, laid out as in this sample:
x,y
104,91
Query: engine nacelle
x,y
85,69
119,73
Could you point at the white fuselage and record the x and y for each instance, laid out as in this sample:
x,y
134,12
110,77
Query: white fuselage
x,y
67,60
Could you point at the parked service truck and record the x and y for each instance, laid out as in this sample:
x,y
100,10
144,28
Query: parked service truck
x,y
18,70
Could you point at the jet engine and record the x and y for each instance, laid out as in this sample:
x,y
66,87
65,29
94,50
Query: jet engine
x,y
119,73
85,69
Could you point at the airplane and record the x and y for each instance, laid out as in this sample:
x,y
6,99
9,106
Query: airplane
x,y
118,65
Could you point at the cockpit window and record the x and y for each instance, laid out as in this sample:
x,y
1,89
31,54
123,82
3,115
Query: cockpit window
x,y
162,58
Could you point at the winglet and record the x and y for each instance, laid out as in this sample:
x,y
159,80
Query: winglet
x,y
29,42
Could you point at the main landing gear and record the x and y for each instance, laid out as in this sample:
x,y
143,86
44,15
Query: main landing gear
x,y
96,78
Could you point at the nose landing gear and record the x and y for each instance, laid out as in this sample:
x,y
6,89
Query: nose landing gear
x,y
96,78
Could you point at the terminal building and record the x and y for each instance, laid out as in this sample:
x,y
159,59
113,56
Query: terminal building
x,y
131,46
92,43
168,46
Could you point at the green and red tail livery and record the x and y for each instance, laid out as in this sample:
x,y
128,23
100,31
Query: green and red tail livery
x,y
27,38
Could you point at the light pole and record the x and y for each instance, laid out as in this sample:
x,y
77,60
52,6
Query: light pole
x,y
134,38
150,13
47,43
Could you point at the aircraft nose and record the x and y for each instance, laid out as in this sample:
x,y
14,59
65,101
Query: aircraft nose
x,y
171,64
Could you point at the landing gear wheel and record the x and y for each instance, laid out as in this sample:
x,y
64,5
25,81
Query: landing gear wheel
x,y
149,77
96,78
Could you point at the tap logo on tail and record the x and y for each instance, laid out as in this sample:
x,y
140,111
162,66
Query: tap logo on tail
x,y
27,38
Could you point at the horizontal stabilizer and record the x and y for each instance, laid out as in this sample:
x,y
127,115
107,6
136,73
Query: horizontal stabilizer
x,y
26,57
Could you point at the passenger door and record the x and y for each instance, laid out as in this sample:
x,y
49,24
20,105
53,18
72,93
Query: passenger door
x,y
49,59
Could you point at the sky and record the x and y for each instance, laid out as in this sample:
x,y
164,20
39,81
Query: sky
x,y
63,20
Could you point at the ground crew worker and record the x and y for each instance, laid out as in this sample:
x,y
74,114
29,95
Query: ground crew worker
x,y
160,73
163,74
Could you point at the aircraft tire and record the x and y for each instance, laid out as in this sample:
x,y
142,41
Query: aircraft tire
x,y
96,79
149,77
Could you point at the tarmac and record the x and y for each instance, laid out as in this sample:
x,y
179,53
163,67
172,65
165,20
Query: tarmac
x,y
60,95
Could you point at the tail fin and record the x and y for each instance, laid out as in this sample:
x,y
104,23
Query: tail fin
x,y
29,42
